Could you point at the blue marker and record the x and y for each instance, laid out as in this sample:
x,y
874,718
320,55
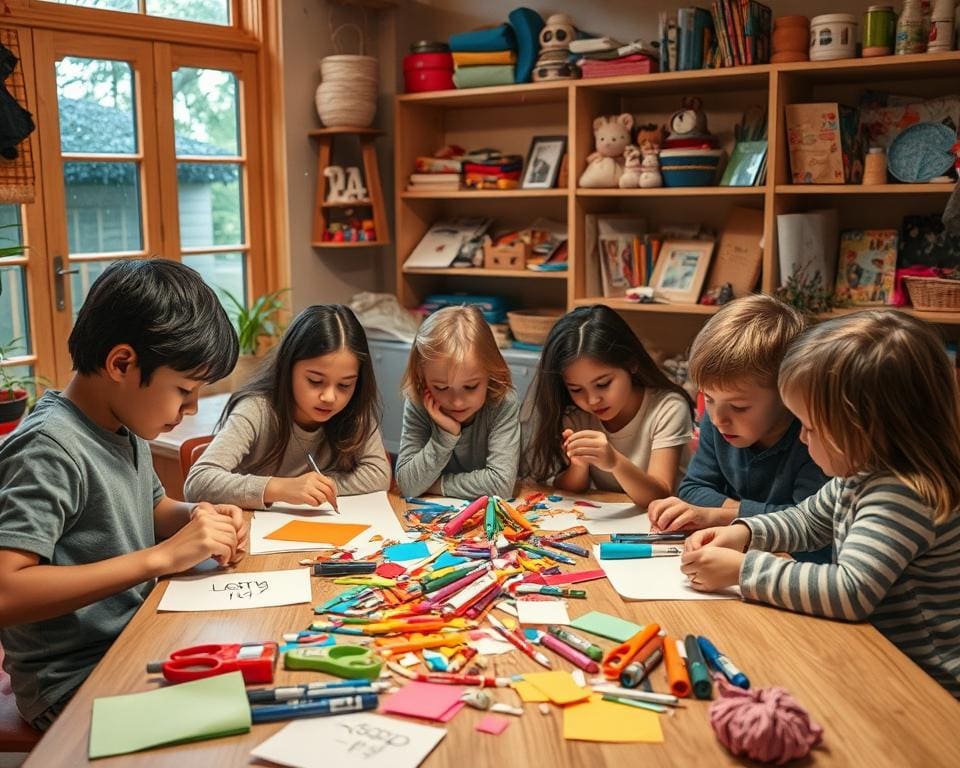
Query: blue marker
x,y
722,664
611,550
313,707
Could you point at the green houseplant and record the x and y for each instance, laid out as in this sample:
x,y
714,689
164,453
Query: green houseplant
x,y
253,324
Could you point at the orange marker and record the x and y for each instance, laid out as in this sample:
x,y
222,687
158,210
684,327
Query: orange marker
x,y
514,515
676,668
419,642
616,660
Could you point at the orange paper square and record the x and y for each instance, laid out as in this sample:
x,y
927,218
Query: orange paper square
x,y
337,534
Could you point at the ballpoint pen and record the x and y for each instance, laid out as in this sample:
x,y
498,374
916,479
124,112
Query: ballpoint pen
x,y
519,642
722,664
313,463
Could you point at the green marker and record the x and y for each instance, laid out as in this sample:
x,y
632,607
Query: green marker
x,y
697,668
585,647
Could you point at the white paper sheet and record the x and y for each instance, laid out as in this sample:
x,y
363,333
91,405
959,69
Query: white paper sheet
x,y
346,741
371,509
489,643
233,591
543,612
601,520
655,578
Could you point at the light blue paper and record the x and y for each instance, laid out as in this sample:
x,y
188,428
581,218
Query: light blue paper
x,y
416,550
447,559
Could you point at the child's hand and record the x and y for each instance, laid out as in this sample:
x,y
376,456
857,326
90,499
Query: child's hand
x,y
310,488
208,534
725,537
574,462
591,448
712,568
236,517
446,423
673,514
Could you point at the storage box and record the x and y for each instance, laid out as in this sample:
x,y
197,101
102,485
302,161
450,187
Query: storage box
x,y
825,144
427,72
506,256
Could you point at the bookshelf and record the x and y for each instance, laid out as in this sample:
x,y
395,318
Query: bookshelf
x,y
508,117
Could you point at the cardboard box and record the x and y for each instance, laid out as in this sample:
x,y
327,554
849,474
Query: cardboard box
x,y
506,256
825,143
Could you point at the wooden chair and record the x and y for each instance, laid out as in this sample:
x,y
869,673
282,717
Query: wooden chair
x,y
15,734
190,451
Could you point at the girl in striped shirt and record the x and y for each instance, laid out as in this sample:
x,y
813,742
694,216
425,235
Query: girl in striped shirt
x,y
877,400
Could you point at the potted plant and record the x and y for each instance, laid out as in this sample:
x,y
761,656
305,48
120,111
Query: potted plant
x,y
15,391
254,325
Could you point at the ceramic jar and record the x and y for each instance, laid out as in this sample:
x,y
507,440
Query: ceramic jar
x,y
833,36
879,31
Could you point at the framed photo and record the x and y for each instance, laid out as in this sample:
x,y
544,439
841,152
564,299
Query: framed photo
x,y
543,162
681,269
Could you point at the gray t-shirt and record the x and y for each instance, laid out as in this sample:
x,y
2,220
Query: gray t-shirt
x,y
72,493
481,460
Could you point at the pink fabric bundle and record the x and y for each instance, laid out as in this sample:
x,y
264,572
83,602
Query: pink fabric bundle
x,y
765,724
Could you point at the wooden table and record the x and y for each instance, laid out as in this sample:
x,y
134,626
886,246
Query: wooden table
x,y
165,448
877,708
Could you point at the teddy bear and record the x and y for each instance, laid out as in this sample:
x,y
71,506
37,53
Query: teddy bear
x,y
611,135
631,167
650,169
650,135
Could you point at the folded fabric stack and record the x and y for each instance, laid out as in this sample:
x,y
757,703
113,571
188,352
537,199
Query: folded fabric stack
x,y
606,57
484,57
438,172
490,169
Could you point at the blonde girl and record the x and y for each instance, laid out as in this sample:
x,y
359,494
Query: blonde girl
x,y
305,429
604,415
461,428
877,400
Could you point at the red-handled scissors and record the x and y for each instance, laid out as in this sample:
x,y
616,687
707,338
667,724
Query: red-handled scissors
x,y
255,661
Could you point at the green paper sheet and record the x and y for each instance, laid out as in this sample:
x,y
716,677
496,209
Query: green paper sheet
x,y
605,625
202,709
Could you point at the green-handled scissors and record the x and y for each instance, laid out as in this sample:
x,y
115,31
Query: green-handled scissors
x,y
348,661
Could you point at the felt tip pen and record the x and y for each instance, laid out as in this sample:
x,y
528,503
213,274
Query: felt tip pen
x,y
697,669
647,538
519,642
611,550
343,567
547,554
722,664
583,645
569,533
296,692
638,669
313,463
269,713
635,703
563,546
541,589
666,699
570,654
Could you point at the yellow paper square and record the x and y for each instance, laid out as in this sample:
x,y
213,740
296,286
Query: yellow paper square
x,y
529,693
599,720
558,687
337,534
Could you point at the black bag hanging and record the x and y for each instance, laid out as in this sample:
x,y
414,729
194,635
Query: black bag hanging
x,y
16,123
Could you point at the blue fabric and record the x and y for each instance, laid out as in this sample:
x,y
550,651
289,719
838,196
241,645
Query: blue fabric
x,y
761,479
499,38
526,24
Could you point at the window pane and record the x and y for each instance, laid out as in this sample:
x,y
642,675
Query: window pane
x,y
110,5
14,316
207,11
87,272
224,271
205,112
103,207
11,231
210,204
95,98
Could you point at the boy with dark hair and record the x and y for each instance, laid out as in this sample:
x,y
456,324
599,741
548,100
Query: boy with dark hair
x,y
81,509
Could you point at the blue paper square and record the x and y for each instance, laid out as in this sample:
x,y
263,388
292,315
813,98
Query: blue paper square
x,y
416,550
447,559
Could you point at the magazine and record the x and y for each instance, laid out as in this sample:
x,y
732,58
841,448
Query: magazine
x,y
620,267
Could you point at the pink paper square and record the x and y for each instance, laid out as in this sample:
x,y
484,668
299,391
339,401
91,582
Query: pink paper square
x,y
429,701
574,577
494,725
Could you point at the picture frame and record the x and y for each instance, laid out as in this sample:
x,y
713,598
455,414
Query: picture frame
x,y
681,270
542,166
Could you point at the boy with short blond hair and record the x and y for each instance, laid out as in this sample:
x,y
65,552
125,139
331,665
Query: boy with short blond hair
x,y
750,459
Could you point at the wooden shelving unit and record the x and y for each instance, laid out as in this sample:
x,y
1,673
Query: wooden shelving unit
x,y
508,117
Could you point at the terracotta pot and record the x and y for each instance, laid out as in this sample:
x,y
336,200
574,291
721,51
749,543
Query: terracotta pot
x,y
791,34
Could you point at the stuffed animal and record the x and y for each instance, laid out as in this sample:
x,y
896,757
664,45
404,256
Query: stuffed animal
x,y
555,38
631,168
688,127
650,169
650,135
611,135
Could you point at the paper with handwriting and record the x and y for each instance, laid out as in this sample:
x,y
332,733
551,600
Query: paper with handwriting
x,y
233,591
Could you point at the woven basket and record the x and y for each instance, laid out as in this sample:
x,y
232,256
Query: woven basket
x,y
347,95
531,326
933,293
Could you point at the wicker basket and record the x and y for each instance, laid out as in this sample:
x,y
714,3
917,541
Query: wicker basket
x,y
933,293
531,326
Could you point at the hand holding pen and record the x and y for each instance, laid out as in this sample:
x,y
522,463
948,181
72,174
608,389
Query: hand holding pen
x,y
311,488
331,493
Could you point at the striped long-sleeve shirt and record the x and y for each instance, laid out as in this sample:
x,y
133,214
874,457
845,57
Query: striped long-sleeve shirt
x,y
891,564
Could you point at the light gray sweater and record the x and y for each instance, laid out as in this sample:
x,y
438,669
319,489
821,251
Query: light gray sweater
x,y
481,460
222,475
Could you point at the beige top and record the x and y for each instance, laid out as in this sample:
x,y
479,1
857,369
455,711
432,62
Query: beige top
x,y
222,474
663,421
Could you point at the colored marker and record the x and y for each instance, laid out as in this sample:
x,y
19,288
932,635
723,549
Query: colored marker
x,y
635,703
722,664
646,538
563,546
570,654
610,550
314,707
569,533
343,567
666,699
583,645
313,463
541,589
519,642
697,669
547,554
646,659
297,692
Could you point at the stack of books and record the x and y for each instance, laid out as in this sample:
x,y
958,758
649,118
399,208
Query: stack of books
x,y
743,31
606,57
732,33
433,182
437,173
